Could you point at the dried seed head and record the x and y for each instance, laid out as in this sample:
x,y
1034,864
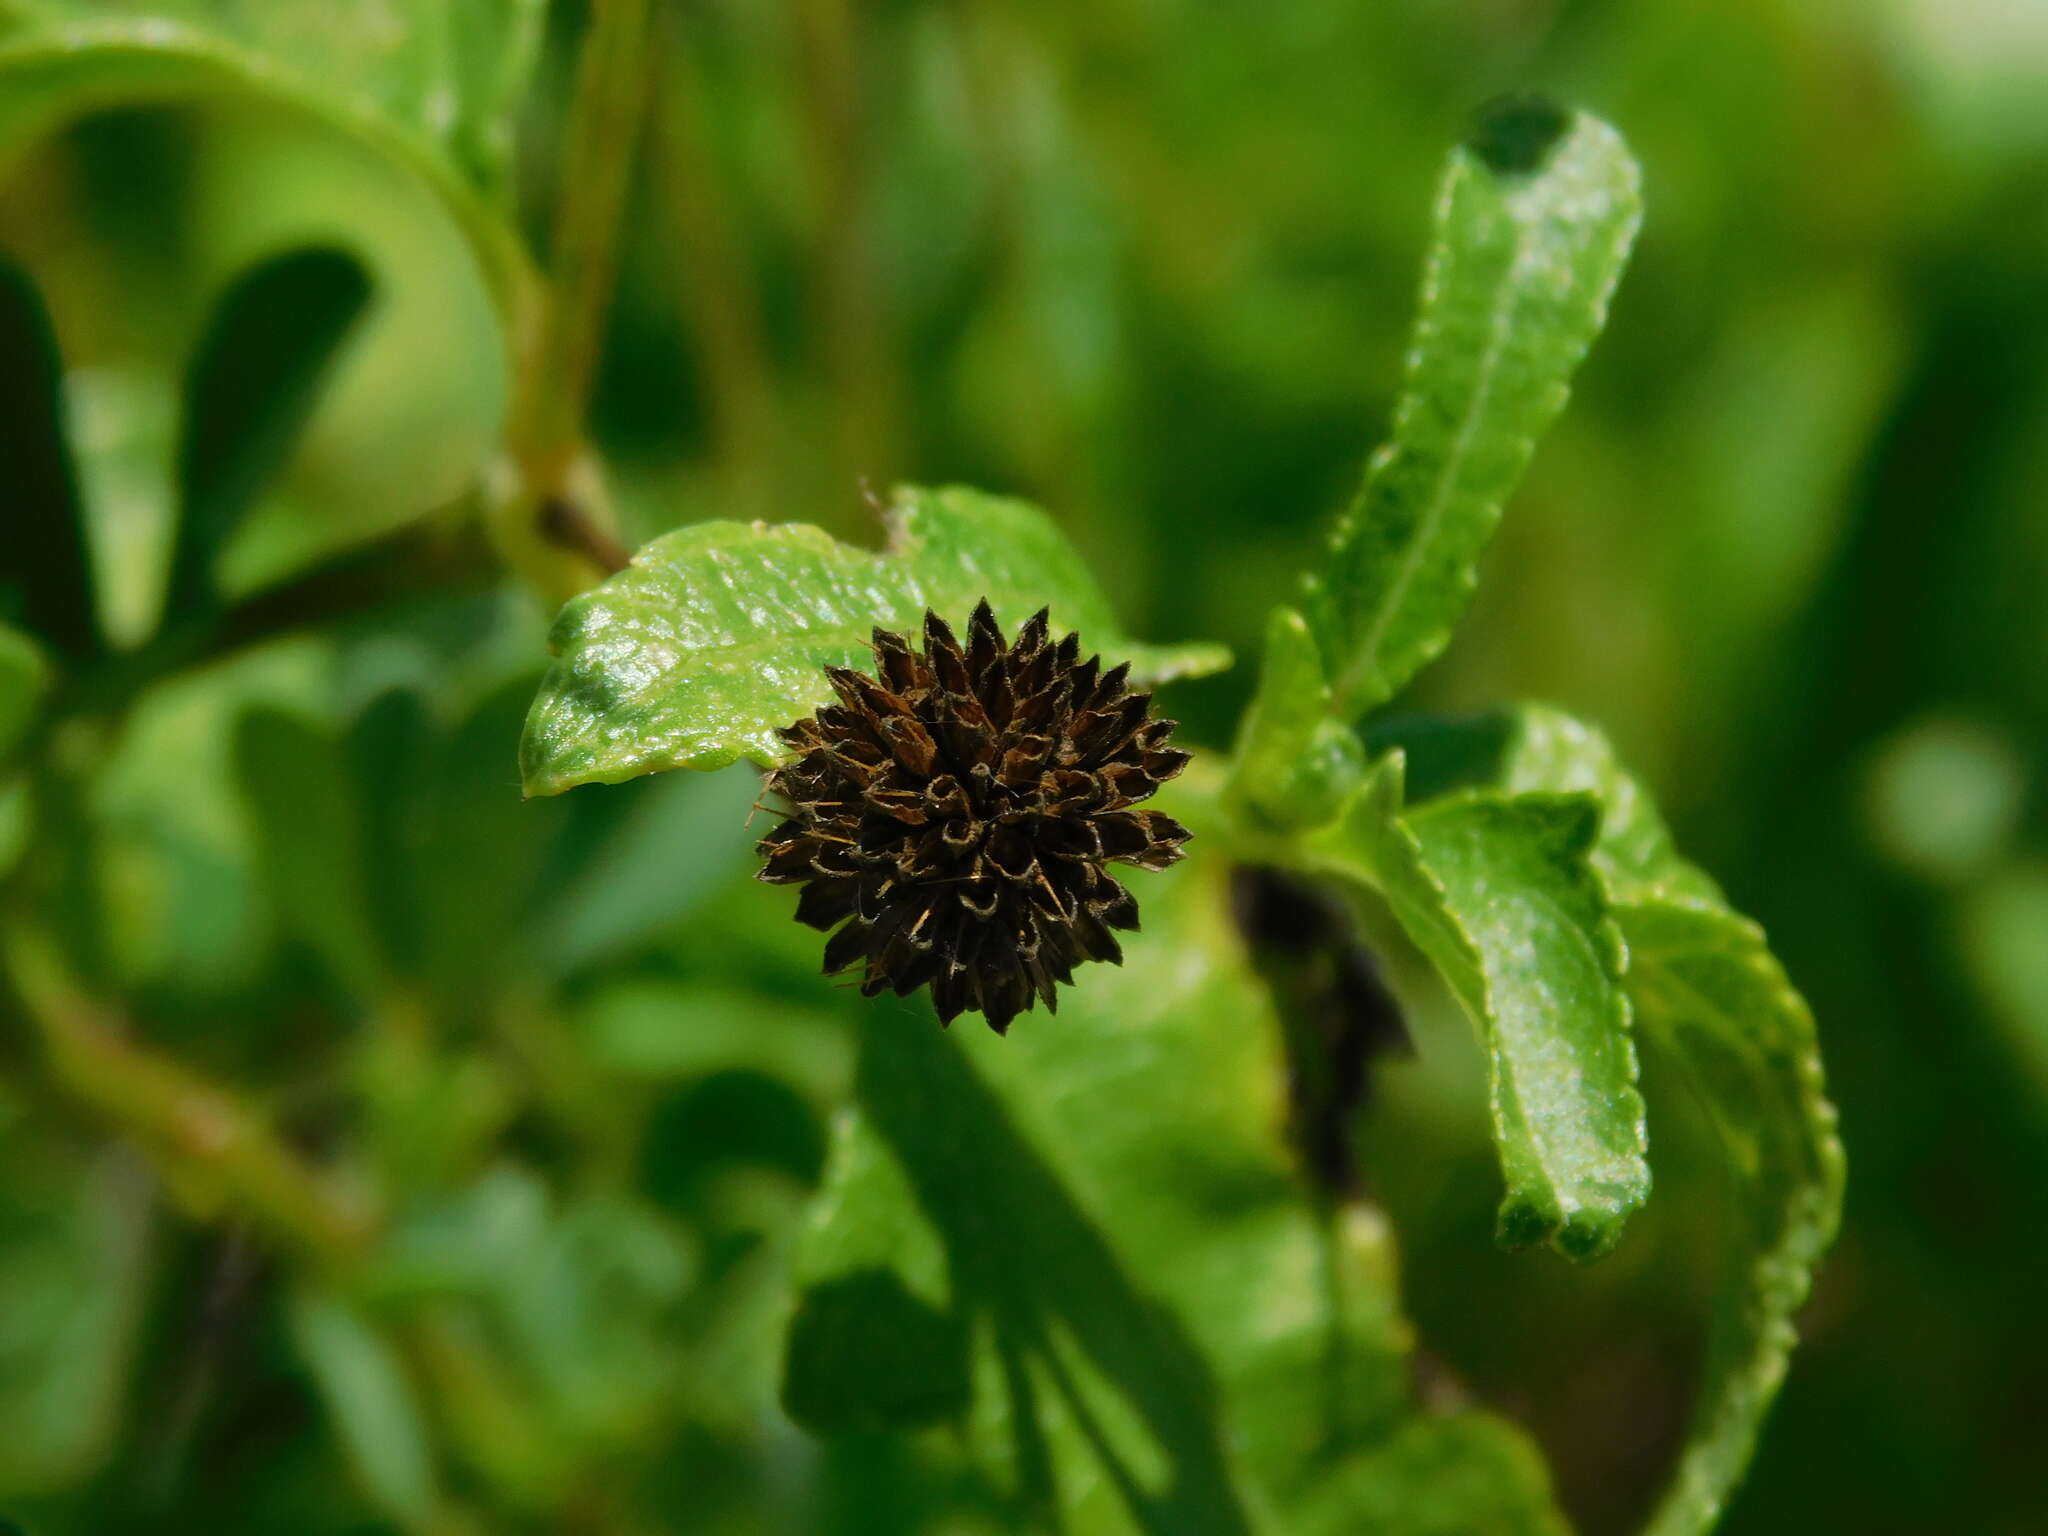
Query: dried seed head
x,y
956,813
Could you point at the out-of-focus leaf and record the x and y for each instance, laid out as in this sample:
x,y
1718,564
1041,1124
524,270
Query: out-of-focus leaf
x,y
1709,992
637,881
45,575
309,830
719,633
666,1030
1455,1476
1533,226
2002,922
445,72
479,851
177,851
24,677
1160,1331
1499,891
363,1383
278,158
249,391
76,1269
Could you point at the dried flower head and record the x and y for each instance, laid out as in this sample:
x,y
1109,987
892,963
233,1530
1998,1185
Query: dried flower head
x,y
958,810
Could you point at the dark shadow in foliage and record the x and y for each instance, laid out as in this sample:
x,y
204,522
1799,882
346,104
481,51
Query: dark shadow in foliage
x,y
869,1326
724,1119
45,581
1026,1257
1336,1010
249,392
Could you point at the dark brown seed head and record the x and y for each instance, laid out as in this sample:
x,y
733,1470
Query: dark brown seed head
x,y
957,811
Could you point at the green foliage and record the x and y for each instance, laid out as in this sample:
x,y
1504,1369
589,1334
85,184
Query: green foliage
x,y
512,1153
1533,224
1499,891
720,633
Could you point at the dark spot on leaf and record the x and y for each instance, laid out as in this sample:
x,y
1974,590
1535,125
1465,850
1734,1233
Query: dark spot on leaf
x,y
1514,134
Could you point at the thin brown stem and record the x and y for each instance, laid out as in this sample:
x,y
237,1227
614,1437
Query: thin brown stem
x,y
203,1136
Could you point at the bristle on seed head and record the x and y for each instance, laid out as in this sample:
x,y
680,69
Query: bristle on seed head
x,y
953,816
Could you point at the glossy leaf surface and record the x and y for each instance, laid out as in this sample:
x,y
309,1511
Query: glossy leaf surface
x,y
1533,225
720,632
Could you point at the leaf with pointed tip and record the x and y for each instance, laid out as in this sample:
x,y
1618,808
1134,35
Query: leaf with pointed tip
x,y
1533,226
719,633
1499,892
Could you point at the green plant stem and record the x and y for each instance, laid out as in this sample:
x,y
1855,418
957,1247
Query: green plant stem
x,y
547,509
201,1134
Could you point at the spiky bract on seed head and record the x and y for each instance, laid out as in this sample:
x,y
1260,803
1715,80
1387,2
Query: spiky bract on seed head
x,y
956,813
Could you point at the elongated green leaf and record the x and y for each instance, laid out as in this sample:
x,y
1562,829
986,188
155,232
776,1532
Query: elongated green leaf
x,y
1533,226
249,390
1709,992
376,1416
1500,893
720,632
1161,1330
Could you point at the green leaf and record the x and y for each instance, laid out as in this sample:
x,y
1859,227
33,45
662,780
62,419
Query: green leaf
x,y
1709,995
24,678
1100,1219
1535,748
1295,765
308,825
720,632
45,570
448,71
1499,892
1533,226
325,123
1709,992
249,391
376,1417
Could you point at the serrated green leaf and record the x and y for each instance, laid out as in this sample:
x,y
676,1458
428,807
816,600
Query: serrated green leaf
x,y
1500,893
719,633
1533,748
1709,992
1163,1331
1533,226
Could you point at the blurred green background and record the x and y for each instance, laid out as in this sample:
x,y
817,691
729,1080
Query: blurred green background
x,y
1150,263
